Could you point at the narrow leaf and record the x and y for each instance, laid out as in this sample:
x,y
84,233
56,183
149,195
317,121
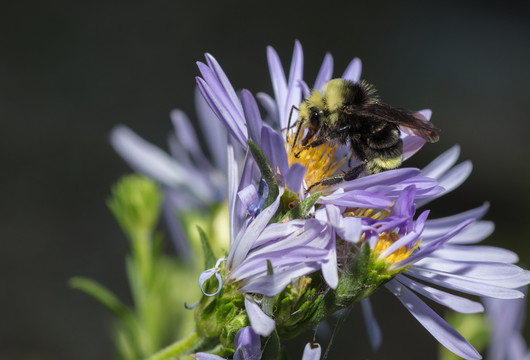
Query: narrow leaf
x,y
266,172
272,347
209,257
101,294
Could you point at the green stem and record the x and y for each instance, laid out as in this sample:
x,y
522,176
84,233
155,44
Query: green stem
x,y
179,348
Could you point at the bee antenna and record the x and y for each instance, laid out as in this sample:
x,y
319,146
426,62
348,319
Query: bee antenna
x,y
289,122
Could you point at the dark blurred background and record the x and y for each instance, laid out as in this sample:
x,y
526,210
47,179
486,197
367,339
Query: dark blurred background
x,y
71,70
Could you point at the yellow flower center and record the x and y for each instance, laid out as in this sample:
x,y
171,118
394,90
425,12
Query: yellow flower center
x,y
388,238
319,160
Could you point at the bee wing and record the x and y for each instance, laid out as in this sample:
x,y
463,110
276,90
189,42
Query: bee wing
x,y
409,123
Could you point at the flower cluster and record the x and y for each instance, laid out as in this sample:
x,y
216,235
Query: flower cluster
x,y
300,252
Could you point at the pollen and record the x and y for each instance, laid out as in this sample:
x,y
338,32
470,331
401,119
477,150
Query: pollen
x,y
319,160
388,238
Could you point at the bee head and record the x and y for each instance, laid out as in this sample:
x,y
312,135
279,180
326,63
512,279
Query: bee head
x,y
311,115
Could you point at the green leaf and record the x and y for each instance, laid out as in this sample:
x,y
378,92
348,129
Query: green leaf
x,y
209,256
268,301
101,294
300,211
266,172
272,348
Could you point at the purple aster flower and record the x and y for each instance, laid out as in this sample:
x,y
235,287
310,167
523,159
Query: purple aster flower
x,y
190,180
446,259
409,253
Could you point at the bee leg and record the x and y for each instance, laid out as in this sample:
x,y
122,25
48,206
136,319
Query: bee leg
x,y
351,174
328,182
314,143
354,173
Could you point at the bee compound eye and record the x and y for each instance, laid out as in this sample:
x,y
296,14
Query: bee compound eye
x,y
315,119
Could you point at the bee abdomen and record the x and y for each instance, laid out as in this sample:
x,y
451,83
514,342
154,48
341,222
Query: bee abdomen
x,y
378,164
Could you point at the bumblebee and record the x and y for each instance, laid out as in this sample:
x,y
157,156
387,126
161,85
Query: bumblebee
x,y
352,114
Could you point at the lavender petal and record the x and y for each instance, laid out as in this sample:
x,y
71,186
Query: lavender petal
x,y
213,130
443,332
476,253
472,287
252,115
223,79
442,163
234,125
375,336
454,302
247,344
325,73
353,71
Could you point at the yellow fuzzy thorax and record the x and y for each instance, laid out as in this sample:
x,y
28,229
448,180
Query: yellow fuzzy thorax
x,y
336,91
319,161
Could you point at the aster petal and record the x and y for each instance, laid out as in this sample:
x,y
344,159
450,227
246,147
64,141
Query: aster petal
x,y
295,176
375,336
279,82
441,225
223,79
325,73
454,302
329,268
383,178
476,253
294,92
350,229
248,196
244,242
467,286
442,163
184,131
474,233
260,322
279,231
213,130
451,180
357,198
411,145
232,189
205,276
306,91
233,122
271,285
312,351
256,264
270,107
311,235
353,70
476,213
432,246
157,164
252,115
443,332
178,152
175,229
272,145
247,344
472,269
